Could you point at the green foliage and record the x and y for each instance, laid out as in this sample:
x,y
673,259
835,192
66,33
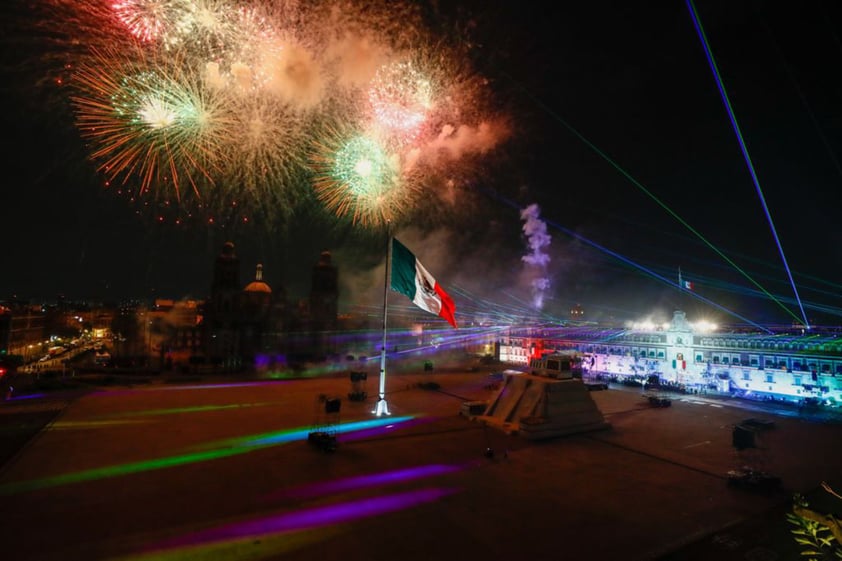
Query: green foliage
x,y
816,540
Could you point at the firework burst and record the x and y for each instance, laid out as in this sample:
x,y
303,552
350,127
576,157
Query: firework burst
x,y
214,103
209,28
361,179
269,163
148,20
146,123
401,97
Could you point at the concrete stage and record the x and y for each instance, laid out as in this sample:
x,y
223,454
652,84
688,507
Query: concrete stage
x,y
209,470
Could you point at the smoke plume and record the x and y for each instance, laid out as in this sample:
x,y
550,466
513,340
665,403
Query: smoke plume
x,y
536,260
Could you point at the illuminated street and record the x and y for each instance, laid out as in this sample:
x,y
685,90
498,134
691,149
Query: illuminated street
x,y
224,471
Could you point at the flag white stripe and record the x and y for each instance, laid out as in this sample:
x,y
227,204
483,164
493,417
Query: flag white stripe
x,y
426,297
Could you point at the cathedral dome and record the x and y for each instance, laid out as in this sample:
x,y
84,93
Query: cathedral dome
x,y
257,285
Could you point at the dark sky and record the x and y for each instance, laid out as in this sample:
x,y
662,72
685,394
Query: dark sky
x,y
620,136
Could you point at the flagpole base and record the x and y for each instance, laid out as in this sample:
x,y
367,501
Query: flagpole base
x,y
382,407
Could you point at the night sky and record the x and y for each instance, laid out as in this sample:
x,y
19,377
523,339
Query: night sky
x,y
618,133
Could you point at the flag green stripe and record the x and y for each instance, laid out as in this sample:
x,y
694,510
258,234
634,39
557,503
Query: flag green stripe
x,y
403,270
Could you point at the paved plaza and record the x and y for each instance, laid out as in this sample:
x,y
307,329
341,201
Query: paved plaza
x,y
223,470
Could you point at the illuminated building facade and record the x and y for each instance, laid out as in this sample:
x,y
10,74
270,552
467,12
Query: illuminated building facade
x,y
789,366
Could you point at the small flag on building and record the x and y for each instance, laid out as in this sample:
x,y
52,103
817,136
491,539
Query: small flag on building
x,y
686,285
409,277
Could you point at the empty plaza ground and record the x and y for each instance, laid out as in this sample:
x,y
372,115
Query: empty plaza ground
x,y
211,469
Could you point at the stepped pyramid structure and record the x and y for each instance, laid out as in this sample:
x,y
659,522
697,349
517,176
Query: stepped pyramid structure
x,y
538,407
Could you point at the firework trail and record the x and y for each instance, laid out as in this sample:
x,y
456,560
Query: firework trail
x,y
537,237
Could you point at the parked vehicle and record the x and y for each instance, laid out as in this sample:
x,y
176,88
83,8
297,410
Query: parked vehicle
x,y
658,401
756,423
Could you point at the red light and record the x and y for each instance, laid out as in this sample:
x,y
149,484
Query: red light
x,y
2,372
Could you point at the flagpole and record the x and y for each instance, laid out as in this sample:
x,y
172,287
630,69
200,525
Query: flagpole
x,y
383,407
680,290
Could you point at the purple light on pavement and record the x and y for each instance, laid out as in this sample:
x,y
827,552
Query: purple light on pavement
x,y
25,396
385,429
308,519
350,483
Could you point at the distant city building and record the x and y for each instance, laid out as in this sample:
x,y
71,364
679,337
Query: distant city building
x,y
174,331
23,331
236,327
5,328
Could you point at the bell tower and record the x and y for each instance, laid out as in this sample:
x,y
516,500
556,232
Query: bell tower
x,y
225,286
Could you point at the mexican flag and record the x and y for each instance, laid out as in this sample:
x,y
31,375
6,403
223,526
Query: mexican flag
x,y
411,278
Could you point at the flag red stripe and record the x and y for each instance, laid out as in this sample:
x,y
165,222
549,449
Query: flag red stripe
x,y
448,308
